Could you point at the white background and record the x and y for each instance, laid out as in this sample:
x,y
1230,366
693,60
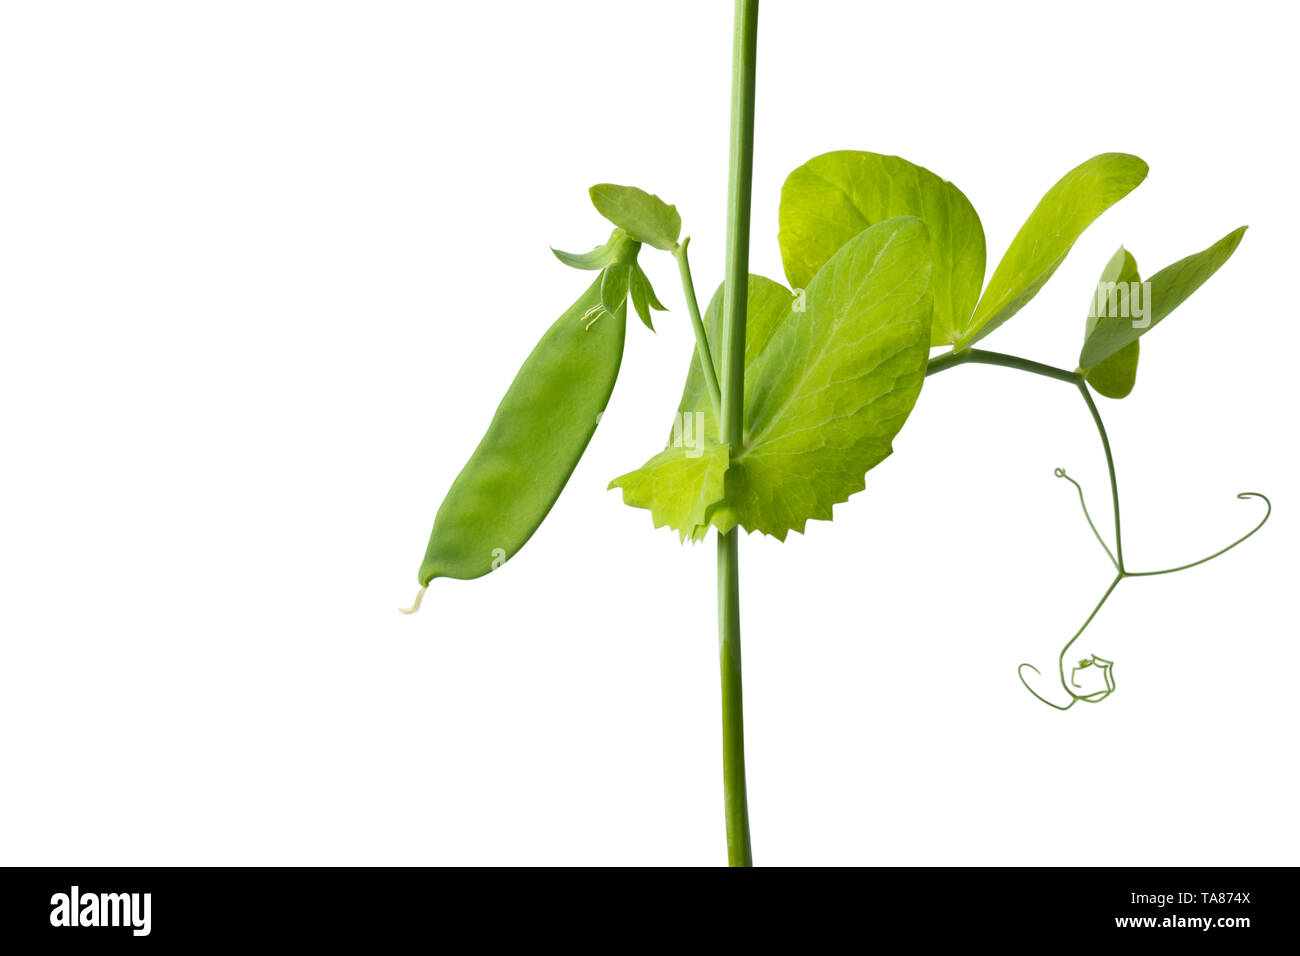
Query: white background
x,y
265,271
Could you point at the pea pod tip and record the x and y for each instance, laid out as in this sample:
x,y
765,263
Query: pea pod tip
x,y
415,606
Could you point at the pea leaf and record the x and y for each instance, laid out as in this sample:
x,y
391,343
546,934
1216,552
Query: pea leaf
x,y
833,197
1169,288
679,484
645,217
1049,233
826,391
1114,376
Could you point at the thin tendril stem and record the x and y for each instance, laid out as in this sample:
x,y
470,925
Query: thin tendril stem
x,y
1060,473
1094,697
1021,673
1183,567
1079,633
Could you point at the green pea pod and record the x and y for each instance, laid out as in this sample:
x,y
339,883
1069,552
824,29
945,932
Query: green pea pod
x,y
539,432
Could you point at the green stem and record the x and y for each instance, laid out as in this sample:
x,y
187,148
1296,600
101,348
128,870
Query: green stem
x,y
1110,467
736,800
732,419
701,337
981,357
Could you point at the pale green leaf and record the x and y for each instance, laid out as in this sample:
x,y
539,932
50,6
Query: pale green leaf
x,y
1169,288
826,389
1115,376
645,217
833,197
1049,233
1119,283
679,484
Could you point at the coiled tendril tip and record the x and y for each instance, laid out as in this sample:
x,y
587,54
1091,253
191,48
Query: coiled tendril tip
x,y
1020,672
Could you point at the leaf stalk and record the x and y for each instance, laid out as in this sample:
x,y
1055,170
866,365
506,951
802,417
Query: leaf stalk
x,y
702,350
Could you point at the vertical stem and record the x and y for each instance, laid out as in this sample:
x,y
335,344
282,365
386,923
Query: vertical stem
x,y
733,708
735,306
739,185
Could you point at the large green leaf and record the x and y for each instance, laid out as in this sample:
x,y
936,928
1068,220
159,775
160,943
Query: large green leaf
x,y
1169,288
826,391
1049,233
833,197
645,217
1114,376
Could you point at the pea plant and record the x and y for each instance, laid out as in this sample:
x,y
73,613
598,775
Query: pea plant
x,y
796,391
